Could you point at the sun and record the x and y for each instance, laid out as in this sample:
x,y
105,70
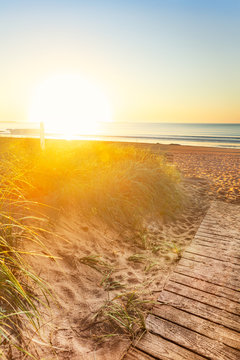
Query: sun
x,y
69,105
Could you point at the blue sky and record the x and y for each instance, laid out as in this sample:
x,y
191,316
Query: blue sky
x,y
159,60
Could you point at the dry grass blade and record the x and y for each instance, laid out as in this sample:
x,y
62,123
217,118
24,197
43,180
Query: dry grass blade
x,y
109,284
137,258
96,262
123,315
18,303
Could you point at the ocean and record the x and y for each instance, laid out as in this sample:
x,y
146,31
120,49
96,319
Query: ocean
x,y
217,135
214,135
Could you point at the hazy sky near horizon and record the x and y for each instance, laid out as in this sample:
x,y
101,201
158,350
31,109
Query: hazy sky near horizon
x,y
156,60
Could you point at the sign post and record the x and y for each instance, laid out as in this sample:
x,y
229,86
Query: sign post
x,y
42,137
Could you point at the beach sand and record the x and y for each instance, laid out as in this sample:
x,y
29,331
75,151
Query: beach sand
x,y
220,166
208,173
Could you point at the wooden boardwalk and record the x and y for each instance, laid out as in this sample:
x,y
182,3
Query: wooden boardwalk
x,y
198,315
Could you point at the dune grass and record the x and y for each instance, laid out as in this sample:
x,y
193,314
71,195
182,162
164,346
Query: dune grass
x,y
18,283
123,315
118,184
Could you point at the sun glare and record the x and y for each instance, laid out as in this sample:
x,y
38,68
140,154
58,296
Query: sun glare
x,y
69,105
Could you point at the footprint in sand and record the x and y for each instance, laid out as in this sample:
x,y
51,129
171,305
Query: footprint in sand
x,y
130,273
68,292
120,277
133,280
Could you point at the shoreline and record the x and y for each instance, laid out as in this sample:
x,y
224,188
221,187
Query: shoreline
x,y
183,148
116,139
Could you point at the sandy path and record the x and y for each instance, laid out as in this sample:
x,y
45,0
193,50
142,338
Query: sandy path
x,y
79,288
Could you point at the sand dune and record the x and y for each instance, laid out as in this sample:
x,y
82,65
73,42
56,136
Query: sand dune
x,y
93,263
79,288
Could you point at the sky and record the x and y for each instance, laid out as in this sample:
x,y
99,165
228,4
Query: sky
x,y
156,60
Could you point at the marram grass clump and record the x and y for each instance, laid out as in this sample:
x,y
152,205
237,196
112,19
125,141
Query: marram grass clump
x,y
19,312
123,315
118,184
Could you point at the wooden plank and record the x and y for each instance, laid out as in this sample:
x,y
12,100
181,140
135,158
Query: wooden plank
x,y
165,350
195,323
214,254
207,232
212,265
217,222
221,237
215,240
219,229
219,241
224,248
209,220
214,243
211,268
203,272
204,232
200,256
220,291
206,298
210,236
189,339
204,259
209,264
216,229
200,309
220,223
134,354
